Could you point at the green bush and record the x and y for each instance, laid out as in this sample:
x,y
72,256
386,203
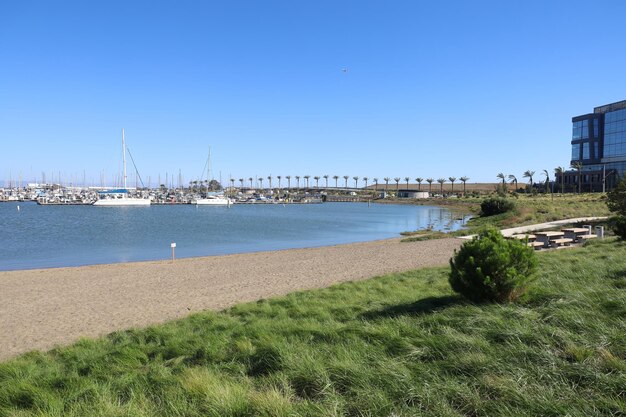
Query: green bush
x,y
616,199
618,226
496,205
491,268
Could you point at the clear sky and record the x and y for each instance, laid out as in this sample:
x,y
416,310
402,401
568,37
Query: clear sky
x,y
430,89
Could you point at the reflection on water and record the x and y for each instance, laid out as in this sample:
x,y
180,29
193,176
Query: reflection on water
x,y
444,220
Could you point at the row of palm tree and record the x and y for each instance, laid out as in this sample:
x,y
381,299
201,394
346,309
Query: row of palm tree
x,y
558,172
356,179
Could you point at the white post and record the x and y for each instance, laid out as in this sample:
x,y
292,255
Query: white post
x,y
173,246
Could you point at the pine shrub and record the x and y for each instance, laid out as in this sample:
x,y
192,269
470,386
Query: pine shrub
x,y
497,205
616,199
618,226
492,268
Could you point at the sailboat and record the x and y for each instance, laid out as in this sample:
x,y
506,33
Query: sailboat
x,y
212,198
119,197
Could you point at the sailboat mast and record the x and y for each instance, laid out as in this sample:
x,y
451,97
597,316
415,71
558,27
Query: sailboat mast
x,y
208,171
124,156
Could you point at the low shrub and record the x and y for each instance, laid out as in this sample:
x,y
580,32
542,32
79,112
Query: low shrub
x,y
616,199
496,205
492,268
618,226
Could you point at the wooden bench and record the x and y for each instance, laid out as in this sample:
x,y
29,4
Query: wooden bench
x,y
585,237
536,245
564,241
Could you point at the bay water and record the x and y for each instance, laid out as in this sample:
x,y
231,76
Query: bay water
x,y
56,236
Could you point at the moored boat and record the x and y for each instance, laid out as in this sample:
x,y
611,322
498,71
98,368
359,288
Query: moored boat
x,y
120,197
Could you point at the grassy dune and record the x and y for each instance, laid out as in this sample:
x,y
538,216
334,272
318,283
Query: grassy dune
x,y
397,345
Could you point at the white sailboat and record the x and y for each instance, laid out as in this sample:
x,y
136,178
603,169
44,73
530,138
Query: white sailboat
x,y
119,197
212,198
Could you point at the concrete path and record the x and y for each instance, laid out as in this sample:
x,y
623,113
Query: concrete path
x,y
542,226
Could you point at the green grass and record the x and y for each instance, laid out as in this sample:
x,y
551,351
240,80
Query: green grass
x,y
529,209
397,345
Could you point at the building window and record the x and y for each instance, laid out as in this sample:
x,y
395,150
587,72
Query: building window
x,y
586,150
615,134
575,152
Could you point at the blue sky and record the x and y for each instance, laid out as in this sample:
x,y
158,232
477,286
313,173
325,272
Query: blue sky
x,y
432,89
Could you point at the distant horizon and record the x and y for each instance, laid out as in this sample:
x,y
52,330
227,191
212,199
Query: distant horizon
x,y
277,88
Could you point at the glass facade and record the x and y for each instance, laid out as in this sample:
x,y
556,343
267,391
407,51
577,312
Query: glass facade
x,y
575,151
615,134
599,143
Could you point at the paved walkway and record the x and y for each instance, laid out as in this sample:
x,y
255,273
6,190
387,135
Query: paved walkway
x,y
543,226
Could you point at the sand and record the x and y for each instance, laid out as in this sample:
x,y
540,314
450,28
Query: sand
x,y
43,308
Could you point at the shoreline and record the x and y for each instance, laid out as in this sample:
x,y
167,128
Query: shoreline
x,y
43,308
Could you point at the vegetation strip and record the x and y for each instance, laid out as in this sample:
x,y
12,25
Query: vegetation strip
x,y
400,344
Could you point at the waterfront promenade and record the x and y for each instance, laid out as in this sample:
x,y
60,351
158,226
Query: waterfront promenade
x,y
42,308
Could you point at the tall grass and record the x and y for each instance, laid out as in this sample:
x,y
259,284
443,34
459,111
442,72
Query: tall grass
x,y
397,345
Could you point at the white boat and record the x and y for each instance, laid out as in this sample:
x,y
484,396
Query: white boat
x,y
213,200
119,197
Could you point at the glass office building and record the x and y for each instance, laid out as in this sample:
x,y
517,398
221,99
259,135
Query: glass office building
x,y
598,149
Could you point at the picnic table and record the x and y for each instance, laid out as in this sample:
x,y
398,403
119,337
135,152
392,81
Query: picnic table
x,y
552,238
575,232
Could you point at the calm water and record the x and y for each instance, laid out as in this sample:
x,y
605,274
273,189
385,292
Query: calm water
x,y
54,236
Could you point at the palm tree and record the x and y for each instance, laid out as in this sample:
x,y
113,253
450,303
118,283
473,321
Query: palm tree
x,y
297,182
545,172
326,178
356,182
529,174
407,182
250,179
317,180
430,184
279,177
241,180
232,184
441,181
345,178
578,166
559,171
464,180
336,178
503,178
261,181
452,179
376,184
386,183
419,183
397,180
513,180
365,179
269,178
306,177
288,181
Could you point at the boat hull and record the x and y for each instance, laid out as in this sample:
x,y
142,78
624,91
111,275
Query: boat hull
x,y
121,202
211,202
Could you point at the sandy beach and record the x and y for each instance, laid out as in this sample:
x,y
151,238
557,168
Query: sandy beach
x,y
42,308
